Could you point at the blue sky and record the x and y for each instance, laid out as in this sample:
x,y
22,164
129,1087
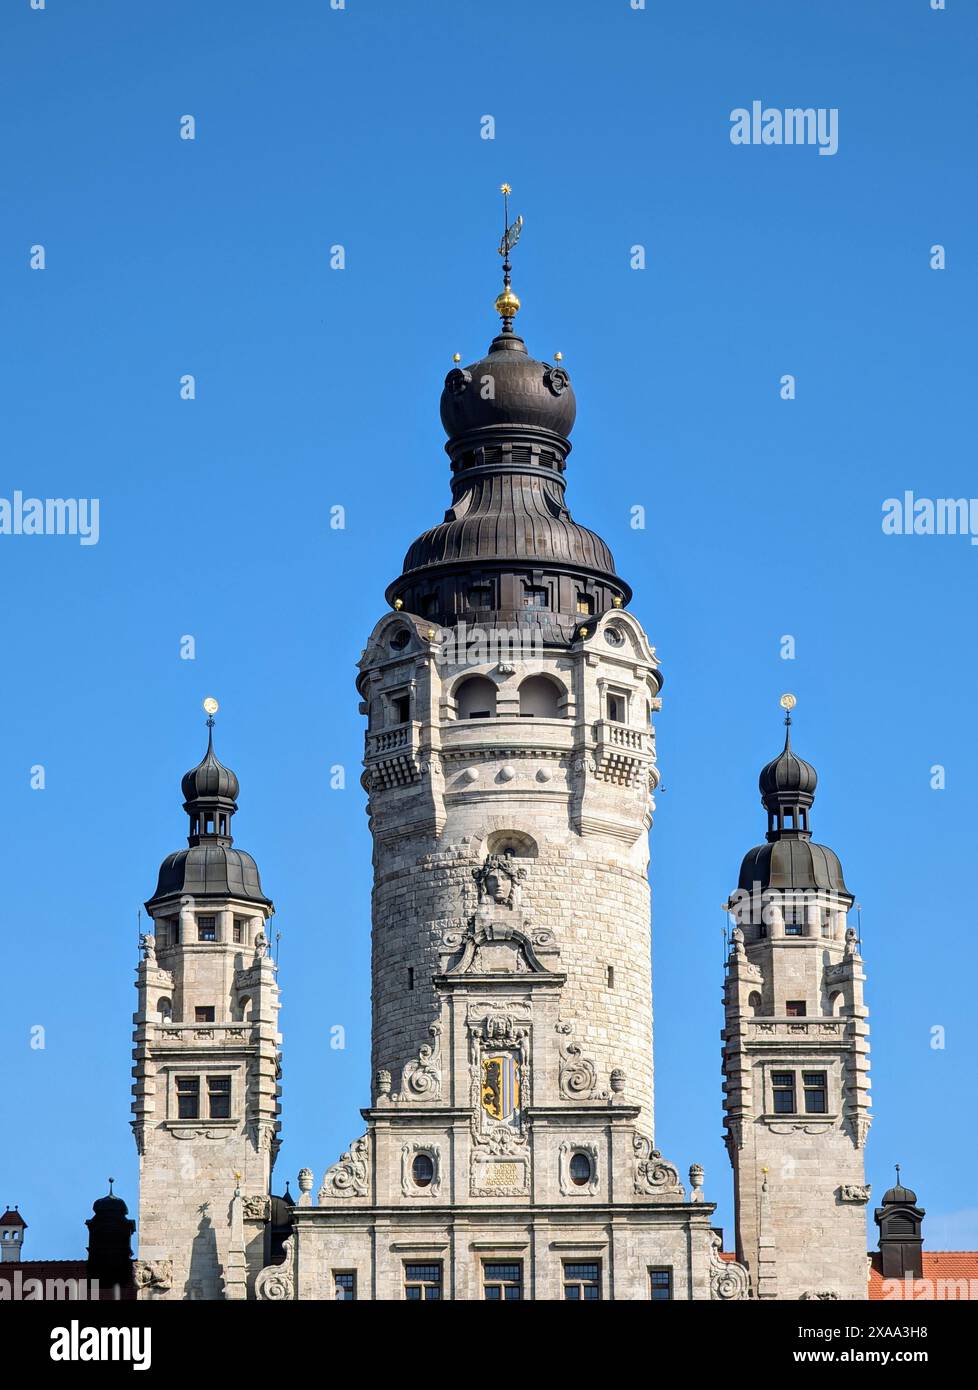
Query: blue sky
x,y
318,387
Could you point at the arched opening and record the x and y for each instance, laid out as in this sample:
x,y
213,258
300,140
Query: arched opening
x,y
754,1001
244,1009
539,698
164,1007
475,698
514,842
836,1002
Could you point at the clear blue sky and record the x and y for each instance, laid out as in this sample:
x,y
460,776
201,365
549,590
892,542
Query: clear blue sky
x,y
318,387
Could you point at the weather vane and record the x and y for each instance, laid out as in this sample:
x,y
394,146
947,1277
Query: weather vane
x,y
507,304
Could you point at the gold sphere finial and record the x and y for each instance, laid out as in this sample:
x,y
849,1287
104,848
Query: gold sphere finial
x,y
507,304
210,706
582,632
398,604
456,357
505,188
617,600
787,702
558,357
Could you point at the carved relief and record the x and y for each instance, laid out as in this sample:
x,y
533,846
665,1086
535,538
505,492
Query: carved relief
x,y
421,1078
499,881
409,1186
728,1279
568,1186
274,1283
823,1295
153,1274
256,1208
859,1129
654,1175
349,1176
578,1076
854,1192
486,947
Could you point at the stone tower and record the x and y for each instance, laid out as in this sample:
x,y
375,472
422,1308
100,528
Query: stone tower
x,y
795,1056
509,769
206,1059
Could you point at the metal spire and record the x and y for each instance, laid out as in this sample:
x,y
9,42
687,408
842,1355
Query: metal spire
x,y
507,304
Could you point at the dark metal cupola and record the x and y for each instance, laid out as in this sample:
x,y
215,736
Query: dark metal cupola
x,y
508,550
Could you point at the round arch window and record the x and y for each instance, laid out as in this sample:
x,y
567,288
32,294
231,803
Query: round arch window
x,y
423,1170
399,639
580,1169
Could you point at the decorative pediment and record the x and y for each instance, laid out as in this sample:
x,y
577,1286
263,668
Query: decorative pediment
x,y
490,946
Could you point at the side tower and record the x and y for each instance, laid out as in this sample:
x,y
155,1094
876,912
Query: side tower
x,y
796,1055
205,1095
509,768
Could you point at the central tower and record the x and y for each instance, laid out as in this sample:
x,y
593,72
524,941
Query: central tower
x,y
509,769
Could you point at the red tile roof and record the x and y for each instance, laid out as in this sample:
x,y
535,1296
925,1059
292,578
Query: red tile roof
x,y
12,1218
947,1274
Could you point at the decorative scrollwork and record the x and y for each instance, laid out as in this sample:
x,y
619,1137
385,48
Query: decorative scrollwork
x,y
421,1077
349,1176
729,1280
654,1174
274,1283
153,1274
578,1076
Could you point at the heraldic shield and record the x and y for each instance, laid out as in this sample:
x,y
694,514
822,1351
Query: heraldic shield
x,y
500,1085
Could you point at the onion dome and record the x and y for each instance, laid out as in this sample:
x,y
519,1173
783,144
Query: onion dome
x,y
110,1232
790,861
508,552
211,867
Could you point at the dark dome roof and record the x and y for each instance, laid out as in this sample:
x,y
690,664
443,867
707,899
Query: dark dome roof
x,y
525,392
791,863
210,778
787,773
110,1205
210,869
900,1196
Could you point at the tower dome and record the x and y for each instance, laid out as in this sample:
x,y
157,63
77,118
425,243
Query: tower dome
x,y
210,779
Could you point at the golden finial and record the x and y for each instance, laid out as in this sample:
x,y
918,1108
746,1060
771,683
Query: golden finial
x,y
616,601
398,604
456,357
431,634
582,632
558,357
507,304
787,702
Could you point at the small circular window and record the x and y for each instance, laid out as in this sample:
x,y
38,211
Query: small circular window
x,y
423,1170
614,637
580,1169
400,639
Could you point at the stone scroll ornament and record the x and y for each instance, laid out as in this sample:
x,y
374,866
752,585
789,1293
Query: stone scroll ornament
x,y
729,1281
578,1076
421,1078
274,1283
654,1175
256,1208
349,1176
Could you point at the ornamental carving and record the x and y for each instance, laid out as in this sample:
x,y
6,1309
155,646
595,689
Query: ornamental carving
x,y
654,1175
349,1176
490,947
859,1129
457,380
819,1295
568,1187
499,881
578,1076
729,1280
274,1283
854,1192
556,380
256,1208
409,1186
421,1077
153,1274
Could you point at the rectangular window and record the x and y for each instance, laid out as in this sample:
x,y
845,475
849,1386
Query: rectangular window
x,y
204,1013
795,1008
401,708
794,929
238,930
219,1097
783,1083
206,928
536,598
616,709
480,597
503,1283
344,1285
582,1281
188,1097
585,605
660,1285
816,1092
422,1282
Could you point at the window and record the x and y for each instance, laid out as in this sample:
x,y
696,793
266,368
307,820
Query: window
x,y
399,639
206,928
611,977
422,1282
188,1097
204,1013
539,699
616,709
401,708
502,1283
795,1008
582,1281
219,1097
816,1092
585,605
660,1285
410,977
480,596
754,1003
580,1169
536,598
793,929
784,1092
344,1285
423,1170
238,930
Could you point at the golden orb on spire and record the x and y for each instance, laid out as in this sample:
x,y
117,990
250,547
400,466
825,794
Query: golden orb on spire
x,y
507,304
